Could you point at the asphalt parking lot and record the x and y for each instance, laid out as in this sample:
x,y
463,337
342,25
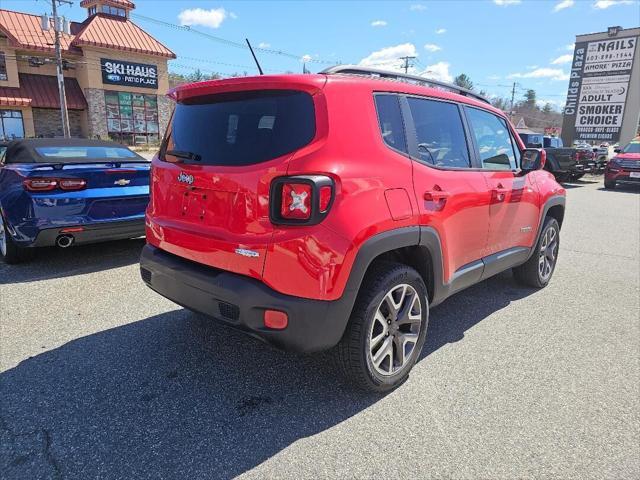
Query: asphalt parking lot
x,y
102,378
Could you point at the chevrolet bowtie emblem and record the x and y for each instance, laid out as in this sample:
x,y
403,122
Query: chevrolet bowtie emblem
x,y
122,182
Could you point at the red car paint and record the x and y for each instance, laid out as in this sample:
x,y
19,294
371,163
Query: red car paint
x,y
620,168
475,212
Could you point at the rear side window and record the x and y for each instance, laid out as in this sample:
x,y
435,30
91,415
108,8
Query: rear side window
x,y
242,128
440,134
493,140
86,152
390,120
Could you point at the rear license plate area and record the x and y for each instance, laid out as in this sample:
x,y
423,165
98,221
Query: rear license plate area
x,y
194,204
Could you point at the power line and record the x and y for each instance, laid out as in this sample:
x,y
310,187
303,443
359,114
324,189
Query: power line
x,y
230,43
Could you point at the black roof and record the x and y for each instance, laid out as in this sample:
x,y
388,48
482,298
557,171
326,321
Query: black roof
x,y
24,151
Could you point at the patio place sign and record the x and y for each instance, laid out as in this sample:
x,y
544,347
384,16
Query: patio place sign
x,y
116,72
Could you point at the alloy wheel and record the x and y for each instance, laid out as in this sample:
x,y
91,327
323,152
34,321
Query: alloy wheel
x,y
548,254
395,330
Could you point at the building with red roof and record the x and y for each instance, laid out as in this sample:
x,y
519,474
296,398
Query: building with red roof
x,y
116,76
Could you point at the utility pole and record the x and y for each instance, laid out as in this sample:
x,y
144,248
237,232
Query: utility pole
x,y
57,28
513,95
406,63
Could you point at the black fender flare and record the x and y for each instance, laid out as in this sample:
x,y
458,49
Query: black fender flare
x,y
555,200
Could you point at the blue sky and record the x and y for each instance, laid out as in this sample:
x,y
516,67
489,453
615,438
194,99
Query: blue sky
x,y
495,42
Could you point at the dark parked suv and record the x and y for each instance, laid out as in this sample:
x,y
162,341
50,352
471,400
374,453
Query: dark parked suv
x,y
331,211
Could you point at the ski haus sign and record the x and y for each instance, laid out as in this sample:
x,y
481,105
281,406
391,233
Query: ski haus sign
x,y
598,87
117,72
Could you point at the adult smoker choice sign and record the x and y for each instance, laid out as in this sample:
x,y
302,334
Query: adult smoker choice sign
x,y
598,88
116,72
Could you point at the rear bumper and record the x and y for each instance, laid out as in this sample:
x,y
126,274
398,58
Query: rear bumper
x,y
620,175
240,302
94,233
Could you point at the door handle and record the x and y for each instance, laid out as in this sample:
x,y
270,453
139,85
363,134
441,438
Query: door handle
x,y
431,195
500,193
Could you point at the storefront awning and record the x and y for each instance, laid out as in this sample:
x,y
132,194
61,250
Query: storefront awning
x,y
41,91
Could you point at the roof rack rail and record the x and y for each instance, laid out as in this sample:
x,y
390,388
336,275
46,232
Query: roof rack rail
x,y
402,77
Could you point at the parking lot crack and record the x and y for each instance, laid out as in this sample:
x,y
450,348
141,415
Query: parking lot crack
x,y
46,445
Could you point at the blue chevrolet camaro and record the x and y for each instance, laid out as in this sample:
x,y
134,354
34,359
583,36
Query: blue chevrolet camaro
x,y
68,192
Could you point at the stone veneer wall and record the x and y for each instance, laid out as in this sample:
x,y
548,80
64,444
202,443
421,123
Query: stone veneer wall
x,y
165,109
96,113
47,122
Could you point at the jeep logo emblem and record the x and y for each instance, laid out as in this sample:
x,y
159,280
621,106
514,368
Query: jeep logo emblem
x,y
185,178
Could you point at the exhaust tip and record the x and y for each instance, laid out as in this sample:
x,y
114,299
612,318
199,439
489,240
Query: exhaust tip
x,y
64,241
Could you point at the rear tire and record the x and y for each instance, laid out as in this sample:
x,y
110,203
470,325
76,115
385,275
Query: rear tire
x,y
387,328
576,176
11,253
538,270
610,184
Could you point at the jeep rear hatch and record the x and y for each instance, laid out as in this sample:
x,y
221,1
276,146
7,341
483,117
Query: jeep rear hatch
x,y
210,185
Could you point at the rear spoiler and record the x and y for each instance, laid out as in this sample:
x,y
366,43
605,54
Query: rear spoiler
x,y
112,164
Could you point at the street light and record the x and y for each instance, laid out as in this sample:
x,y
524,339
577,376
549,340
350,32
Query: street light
x,y
60,25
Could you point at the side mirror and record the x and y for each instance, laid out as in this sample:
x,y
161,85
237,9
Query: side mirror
x,y
617,150
532,159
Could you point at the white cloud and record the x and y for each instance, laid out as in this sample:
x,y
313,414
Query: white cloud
x,y
264,45
506,3
198,16
378,23
532,67
440,31
438,71
432,47
417,7
570,47
562,59
233,15
389,57
494,77
550,73
306,58
563,4
603,4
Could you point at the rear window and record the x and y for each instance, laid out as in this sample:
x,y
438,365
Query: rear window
x,y
242,128
86,152
532,141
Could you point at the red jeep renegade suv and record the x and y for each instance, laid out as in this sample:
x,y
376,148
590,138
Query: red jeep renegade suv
x,y
332,210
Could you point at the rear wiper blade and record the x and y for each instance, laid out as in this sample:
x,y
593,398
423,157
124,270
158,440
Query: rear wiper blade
x,y
183,154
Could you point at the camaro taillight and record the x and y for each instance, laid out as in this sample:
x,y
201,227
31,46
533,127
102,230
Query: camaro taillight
x,y
48,184
301,200
40,184
72,183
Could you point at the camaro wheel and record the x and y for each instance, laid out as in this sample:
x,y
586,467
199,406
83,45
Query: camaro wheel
x,y
387,328
537,271
9,251
610,184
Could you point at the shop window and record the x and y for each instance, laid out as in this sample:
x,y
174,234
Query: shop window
x,y
3,67
132,118
11,125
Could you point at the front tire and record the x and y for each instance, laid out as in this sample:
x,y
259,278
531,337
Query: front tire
x,y
538,270
610,184
387,328
11,253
